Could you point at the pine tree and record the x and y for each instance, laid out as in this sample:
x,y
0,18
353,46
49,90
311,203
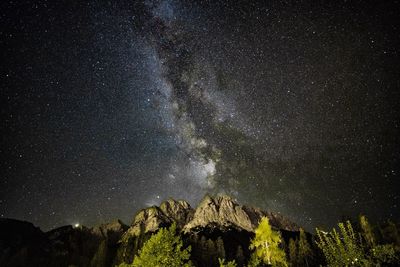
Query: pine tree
x,y
367,232
211,252
304,249
220,247
266,245
292,252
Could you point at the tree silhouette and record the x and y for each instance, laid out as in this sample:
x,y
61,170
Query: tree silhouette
x,y
304,249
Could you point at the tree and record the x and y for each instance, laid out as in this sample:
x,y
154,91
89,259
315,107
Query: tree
x,y
219,244
367,232
164,248
304,249
293,252
384,255
341,248
346,247
254,260
266,245
380,254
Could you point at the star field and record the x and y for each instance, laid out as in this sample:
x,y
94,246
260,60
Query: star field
x,y
111,107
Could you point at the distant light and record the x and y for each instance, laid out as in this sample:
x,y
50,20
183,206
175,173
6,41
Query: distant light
x,y
76,225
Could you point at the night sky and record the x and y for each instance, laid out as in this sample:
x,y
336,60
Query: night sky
x,y
109,107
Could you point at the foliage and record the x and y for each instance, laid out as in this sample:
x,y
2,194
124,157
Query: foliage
x,y
300,251
304,249
341,248
219,246
360,249
390,233
293,252
266,245
227,264
367,232
254,261
164,248
384,254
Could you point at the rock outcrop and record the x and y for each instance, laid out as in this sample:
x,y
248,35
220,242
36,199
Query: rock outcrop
x,y
179,212
225,212
152,218
111,231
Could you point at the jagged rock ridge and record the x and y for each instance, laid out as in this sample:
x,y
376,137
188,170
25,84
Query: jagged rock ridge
x,y
223,211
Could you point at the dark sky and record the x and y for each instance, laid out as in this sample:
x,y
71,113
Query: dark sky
x,y
109,107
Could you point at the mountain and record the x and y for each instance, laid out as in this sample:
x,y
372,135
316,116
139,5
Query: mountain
x,y
224,212
218,227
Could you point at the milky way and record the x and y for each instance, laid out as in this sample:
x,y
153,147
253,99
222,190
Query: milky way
x,y
110,108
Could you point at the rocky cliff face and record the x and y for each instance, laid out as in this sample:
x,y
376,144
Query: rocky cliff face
x,y
218,228
224,212
151,219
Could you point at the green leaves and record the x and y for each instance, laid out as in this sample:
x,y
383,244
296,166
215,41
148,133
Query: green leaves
x,y
348,248
266,245
165,248
384,254
300,252
341,248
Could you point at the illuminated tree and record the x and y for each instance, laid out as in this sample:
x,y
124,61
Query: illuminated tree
x,y
266,245
164,248
341,248
345,248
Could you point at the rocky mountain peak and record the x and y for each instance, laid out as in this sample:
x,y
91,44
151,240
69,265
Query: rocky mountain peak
x,y
179,211
224,211
148,220
152,218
